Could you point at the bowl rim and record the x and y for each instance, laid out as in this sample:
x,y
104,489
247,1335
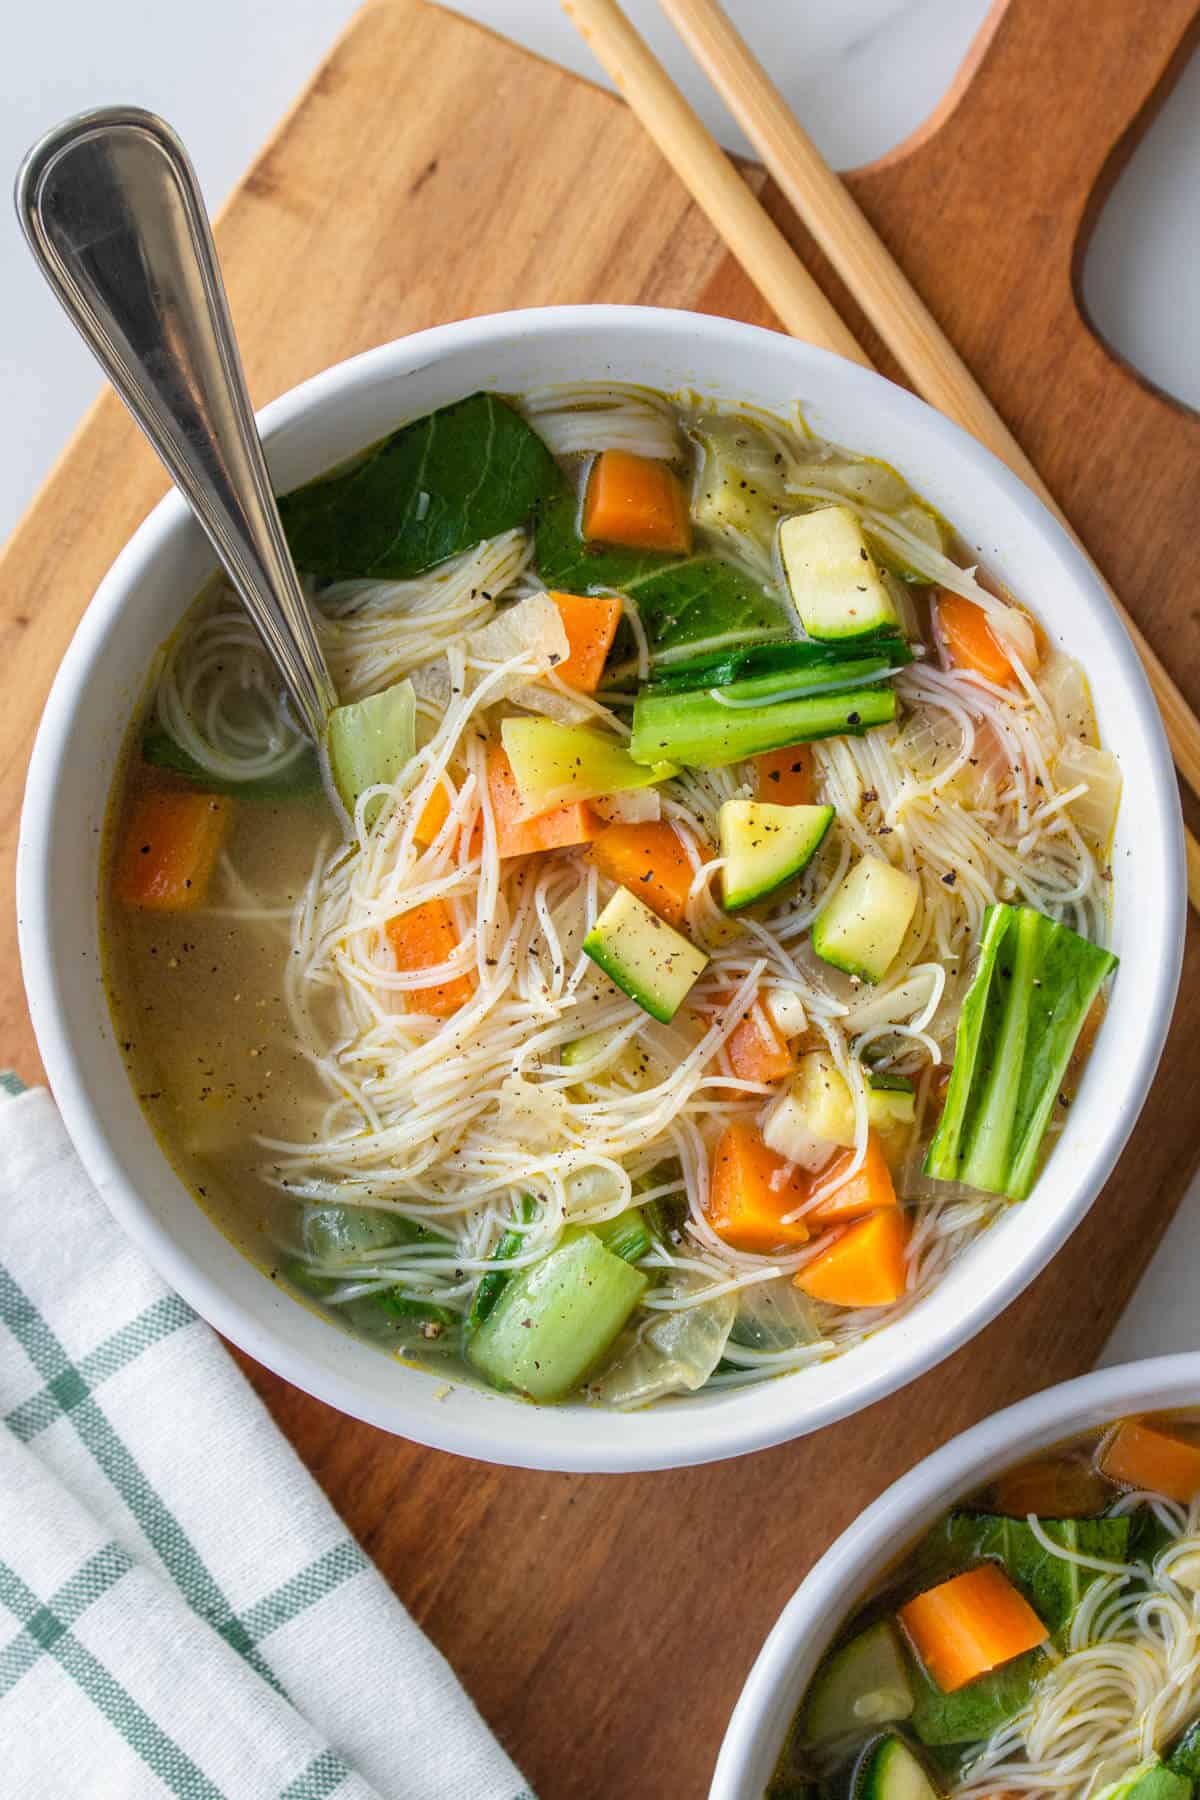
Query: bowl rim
x,y
715,1434
835,1583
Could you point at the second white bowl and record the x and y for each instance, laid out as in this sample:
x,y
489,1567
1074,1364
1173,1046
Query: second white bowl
x,y
847,1572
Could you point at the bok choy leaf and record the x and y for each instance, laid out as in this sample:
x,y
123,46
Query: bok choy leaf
x,y
426,492
1031,993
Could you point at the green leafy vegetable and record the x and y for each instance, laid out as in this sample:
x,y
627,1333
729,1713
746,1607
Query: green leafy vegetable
x,y
1031,993
493,1284
800,658
430,490
695,729
707,604
1184,1758
556,1319
973,1712
301,776
1052,1585
393,1315
627,1236
686,605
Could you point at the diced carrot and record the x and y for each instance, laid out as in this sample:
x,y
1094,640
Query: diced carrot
x,y
864,1264
651,862
422,938
170,846
434,814
869,1189
573,822
785,777
970,1624
590,622
749,1191
1142,1456
970,639
757,1052
632,500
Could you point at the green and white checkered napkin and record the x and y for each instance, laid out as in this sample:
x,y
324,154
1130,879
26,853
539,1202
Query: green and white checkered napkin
x,y
181,1611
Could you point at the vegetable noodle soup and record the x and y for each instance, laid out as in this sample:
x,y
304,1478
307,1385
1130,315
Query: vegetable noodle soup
x,y
689,937
1043,1638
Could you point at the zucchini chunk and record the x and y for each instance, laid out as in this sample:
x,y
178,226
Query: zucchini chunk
x,y
891,1099
837,586
890,1771
764,846
815,1116
861,926
864,1683
647,958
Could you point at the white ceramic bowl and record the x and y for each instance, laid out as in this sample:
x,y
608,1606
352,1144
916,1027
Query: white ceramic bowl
x,y
850,1567
141,600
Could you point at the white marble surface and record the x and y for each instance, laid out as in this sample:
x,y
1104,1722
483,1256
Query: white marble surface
x,y
861,73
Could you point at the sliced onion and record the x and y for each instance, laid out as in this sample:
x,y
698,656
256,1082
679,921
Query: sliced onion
x,y
1065,688
674,1355
1095,812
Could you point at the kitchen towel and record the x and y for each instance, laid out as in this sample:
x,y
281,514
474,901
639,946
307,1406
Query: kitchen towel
x,y
181,1611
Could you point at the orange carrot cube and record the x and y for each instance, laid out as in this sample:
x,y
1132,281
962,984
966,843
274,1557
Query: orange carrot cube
x,y
865,1264
423,938
785,777
870,1189
756,1050
971,1624
650,860
1143,1456
970,640
590,622
169,848
633,500
750,1189
434,814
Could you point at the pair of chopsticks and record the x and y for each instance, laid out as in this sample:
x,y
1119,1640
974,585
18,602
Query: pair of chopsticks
x,y
868,269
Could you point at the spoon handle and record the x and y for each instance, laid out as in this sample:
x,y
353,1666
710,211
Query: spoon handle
x,y
110,205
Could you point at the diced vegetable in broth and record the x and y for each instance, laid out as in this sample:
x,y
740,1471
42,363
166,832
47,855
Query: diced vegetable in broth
x,y
680,922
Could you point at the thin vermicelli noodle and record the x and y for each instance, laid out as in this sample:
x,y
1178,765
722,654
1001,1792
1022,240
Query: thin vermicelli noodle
x,y
549,1099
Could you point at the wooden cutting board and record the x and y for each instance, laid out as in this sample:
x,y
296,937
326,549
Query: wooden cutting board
x,y
432,171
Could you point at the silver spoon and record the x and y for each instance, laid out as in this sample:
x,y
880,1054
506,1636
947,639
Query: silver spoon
x,y
113,214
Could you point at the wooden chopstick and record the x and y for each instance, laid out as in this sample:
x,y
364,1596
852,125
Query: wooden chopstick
x,y
714,183
876,280
886,295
